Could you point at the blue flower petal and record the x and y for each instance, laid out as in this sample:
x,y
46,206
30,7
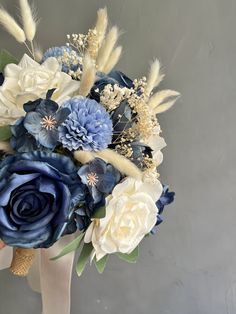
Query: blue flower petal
x,y
47,186
48,138
62,115
37,224
106,183
29,239
5,220
14,181
47,107
32,123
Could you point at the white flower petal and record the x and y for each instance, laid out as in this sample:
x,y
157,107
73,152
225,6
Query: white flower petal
x,y
26,62
29,81
89,232
131,213
11,70
52,64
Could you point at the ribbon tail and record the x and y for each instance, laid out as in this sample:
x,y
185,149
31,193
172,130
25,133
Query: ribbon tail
x,y
55,278
34,273
6,255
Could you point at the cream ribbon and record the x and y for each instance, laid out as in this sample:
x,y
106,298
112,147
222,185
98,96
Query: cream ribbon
x,y
50,278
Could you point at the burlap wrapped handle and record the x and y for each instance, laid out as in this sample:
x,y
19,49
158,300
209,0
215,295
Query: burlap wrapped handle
x,y
22,261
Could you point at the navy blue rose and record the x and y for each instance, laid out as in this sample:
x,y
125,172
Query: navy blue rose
x,y
38,192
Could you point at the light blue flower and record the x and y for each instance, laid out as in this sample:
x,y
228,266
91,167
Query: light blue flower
x,y
88,127
71,62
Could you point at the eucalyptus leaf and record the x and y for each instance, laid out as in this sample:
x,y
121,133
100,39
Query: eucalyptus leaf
x,y
101,264
6,58
83,258
5,132
100,213
130,258
72,246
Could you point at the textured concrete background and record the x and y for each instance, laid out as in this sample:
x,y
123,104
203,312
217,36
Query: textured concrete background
x,y
190,266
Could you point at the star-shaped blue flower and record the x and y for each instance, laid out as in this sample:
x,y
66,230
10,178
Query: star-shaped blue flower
x,y
43,117
21,140
99,177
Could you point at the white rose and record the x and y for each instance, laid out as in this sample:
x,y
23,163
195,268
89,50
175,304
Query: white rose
x,y
131,213
30,80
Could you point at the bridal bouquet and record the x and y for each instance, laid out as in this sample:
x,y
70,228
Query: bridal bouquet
x,y
80,148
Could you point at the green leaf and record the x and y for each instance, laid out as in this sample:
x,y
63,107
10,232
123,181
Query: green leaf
x,y
5,132
83,258
101,264
130,258
6,58
100,213
72,246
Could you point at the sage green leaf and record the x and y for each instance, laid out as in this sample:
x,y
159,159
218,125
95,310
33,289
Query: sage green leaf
x,y
72,246
130,258
101,264
83,258
5,132
100,213
6,58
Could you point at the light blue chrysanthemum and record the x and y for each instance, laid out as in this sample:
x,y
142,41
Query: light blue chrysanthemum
x,y
66,56
88,126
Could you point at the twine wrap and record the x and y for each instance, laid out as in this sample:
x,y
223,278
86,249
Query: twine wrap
x,y
22,261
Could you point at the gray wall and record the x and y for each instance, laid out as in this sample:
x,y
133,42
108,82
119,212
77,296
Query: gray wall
x,y
190,266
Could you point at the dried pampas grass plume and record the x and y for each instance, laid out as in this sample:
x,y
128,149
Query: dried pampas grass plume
x,y
29,19
12,27
88,76
113,60
154,77
97,35
6,147
101,25
107,47
121,163
38,53
83,156
163,100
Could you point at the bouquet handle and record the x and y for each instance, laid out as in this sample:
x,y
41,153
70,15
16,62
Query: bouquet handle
x,y
22,261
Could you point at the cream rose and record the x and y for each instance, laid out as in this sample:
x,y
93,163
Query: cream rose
x,y
131,213
30,80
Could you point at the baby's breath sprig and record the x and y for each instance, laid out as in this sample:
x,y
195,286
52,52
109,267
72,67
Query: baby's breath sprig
x,y
113,95
77,42
124,149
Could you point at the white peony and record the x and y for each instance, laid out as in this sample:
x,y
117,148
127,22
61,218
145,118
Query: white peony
x,y
30,80
131,213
